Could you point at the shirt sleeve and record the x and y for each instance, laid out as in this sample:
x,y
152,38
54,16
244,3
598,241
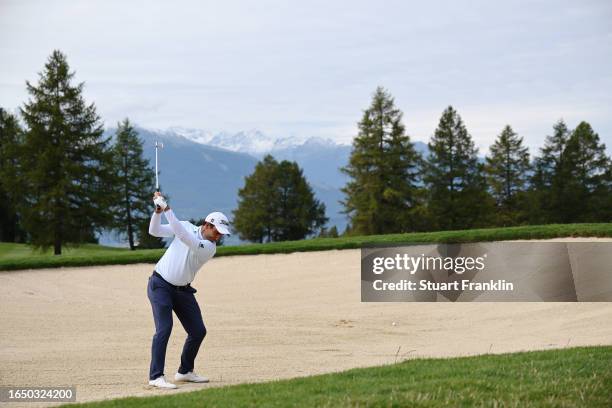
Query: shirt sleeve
x,y
204,248
157,229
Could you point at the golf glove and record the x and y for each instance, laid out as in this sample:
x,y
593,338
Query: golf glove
x,y
160,201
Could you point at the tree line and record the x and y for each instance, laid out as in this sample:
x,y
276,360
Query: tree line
x,y
62,180
394,189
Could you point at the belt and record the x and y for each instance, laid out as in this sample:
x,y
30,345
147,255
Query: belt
x,y
174,286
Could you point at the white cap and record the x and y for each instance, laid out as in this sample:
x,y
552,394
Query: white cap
x,y
219,220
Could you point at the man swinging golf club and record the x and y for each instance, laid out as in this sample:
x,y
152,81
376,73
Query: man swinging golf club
x,y
170,287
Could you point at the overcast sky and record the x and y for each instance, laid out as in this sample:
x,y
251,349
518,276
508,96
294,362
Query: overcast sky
x,y
310,68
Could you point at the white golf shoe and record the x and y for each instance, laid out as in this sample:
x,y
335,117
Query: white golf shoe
x,y
190,377
160,382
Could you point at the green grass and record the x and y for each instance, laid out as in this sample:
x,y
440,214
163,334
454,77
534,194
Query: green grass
x,y
575,377
21,256
11,250
16,256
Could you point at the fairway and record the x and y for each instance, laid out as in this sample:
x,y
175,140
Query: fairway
x,y
268,317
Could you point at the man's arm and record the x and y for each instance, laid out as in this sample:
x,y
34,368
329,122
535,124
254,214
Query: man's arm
x,y
157,229
179,230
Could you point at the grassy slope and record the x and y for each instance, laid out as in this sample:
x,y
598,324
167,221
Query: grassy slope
x,y
576,377
15,256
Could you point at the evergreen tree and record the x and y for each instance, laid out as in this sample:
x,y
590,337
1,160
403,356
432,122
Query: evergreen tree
x,y
585,169
67,164
547,184
11,138
298,213
507,171
255,216
454,177
134,181
331,233
277,204
383,170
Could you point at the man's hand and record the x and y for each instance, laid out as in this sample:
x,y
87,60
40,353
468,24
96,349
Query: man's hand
x,y
160,202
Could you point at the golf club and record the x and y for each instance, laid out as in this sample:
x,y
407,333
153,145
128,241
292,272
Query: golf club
x,y
158,145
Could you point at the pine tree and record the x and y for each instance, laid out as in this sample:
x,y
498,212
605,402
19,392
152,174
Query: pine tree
x,y
298,213
11,138
547,184
507,171
329,233
383,168
134,181
585,169
67,163
277,204
255,216
457,189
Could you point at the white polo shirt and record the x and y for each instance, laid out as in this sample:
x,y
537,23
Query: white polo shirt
x,y
187,252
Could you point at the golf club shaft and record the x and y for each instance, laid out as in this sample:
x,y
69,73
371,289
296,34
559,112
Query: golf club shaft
x,y
156,171
157,146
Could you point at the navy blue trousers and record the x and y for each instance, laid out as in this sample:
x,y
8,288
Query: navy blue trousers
x,y
164,299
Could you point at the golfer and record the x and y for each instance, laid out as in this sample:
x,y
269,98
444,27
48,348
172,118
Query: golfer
x,y
170,287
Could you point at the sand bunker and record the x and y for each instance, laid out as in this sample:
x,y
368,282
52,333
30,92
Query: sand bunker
x,y
268,317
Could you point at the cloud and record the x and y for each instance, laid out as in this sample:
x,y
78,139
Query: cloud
x,y
310,68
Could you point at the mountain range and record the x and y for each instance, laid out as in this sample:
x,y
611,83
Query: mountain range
x,y
202,172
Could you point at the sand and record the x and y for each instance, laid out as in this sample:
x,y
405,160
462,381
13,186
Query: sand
x,y
268,317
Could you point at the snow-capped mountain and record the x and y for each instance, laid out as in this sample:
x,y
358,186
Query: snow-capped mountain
x,y
196,135
253,142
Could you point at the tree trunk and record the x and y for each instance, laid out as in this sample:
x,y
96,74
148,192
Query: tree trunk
x,y
130,230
